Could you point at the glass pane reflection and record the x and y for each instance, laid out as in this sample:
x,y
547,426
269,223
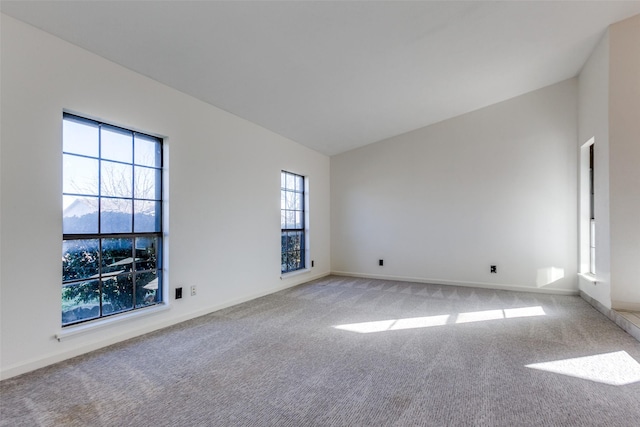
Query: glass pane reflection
x,y
80,175
80,138
147,216
116,144
147,183
117,293
116,215
117,255
116,179
147,151
80,301
79,215
80,259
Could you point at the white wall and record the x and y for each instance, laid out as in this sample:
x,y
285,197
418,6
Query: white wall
x,y
223,194
609,110
442,203
593,122
624,140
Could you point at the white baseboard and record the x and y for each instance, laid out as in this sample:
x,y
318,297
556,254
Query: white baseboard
x,y
41,362
616,316
495,286
625,306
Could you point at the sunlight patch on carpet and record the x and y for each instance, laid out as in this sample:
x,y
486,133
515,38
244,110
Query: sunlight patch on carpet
x,y
431,321
617,368
395,324
509,313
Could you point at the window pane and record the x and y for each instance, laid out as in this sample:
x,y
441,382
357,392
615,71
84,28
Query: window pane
x,y
80,301
299,184
117,293
291,200
116,179
79,215
117,255
116,215
147,151
294,260
147,288
291,219
147,183
283,180
289,240
79,138
80,175
146,253
299,219
116,144
292,256
147,216
291,182
80,259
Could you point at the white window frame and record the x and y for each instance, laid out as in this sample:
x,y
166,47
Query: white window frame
x,y
587,209
304,228
137,272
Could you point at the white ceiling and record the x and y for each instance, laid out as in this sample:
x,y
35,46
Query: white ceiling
x,y
338,75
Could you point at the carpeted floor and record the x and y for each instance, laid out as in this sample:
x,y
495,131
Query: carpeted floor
x,y
353,352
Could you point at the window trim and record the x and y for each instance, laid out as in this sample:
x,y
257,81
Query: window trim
x,y
304,247
81,328
587,220
592,211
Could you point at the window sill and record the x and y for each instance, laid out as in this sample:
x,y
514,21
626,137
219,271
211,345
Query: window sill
x,y
294,273
90,326
588,277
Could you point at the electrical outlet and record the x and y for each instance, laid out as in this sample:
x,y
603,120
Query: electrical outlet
x,y
494,269
193,290
313,263
178,293
380,262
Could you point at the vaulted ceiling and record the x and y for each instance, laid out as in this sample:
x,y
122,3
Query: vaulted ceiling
x,y
336,75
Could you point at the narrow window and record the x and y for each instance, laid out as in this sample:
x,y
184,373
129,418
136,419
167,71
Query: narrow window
x,y
292,217
592,216
112,220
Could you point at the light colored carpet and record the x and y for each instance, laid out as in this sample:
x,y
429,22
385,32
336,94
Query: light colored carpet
x,y
353,352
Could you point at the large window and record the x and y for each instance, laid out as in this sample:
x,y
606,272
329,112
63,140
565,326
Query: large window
x,y
292,218
112,220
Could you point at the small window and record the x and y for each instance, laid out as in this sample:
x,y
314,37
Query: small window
x,y
112,220
592,213
292,222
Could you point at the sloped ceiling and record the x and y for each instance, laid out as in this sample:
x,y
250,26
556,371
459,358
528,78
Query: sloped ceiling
x,y
335,76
